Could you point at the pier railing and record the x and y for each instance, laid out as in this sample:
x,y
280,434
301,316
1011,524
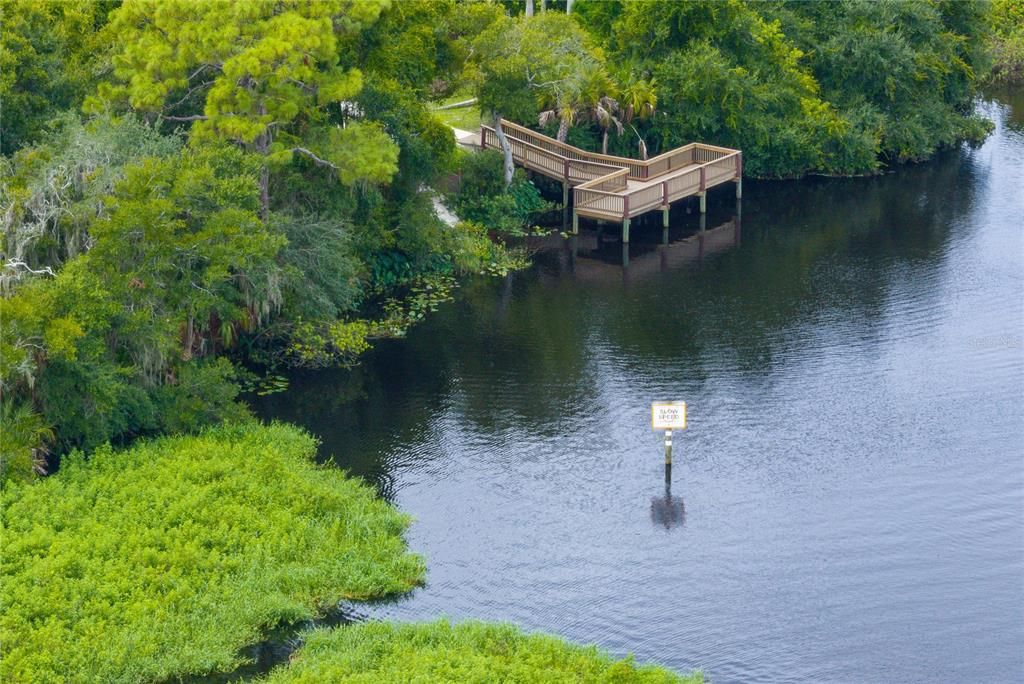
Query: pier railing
x,y
613,187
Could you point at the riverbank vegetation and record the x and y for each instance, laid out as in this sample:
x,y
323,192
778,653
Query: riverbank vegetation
x,y
259,194
1007,41
167,558
168,205
465,652
189,190
846,87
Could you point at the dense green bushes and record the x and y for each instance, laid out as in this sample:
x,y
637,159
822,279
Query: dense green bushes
x,y
134,267
195,214
902,70
802,87
484,199
463,653
1007,43
167,558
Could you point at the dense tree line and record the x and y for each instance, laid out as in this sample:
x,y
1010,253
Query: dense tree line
x,y
1007,41
185,182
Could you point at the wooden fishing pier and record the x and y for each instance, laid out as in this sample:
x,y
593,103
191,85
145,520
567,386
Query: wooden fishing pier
x,y
617,189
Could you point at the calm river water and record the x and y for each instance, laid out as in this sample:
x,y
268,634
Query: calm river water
x,y
847,504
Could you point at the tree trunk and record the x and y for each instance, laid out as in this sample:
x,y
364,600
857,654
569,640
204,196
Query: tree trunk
x,y
264,193
563,130
506,150
263,148
568,6
604,142
529,8
543,5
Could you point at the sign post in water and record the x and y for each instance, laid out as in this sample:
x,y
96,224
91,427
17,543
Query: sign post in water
x,y
668,416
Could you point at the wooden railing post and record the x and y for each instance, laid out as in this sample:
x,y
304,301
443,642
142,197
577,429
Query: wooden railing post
x,y
703,179
739,175
625,206
664,193
483,138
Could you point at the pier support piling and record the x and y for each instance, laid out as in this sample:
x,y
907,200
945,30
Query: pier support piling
x,y
664,217
703,202
625,231
739,188
575,222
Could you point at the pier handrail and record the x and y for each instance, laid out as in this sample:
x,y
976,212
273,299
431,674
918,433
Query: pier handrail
x,y
605,186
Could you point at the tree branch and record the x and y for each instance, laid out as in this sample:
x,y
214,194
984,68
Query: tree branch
x,y
318,160
194,117
15,264
190,91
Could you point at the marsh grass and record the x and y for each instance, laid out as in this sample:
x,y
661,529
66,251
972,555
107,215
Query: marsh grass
x,y
166,559
466,653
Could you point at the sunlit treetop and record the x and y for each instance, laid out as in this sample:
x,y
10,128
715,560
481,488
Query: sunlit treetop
x,y
259,74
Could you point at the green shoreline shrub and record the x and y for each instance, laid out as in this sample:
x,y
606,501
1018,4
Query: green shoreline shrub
x,y
466,653
165,559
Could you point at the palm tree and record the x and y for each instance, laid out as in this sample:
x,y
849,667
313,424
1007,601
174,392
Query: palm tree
x,y
576,97
562,106
641,100
604,114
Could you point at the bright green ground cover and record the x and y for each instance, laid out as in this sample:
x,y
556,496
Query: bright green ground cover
x,y
467,653
167,558
466,118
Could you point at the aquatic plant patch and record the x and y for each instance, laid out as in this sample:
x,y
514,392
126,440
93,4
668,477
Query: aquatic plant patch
x,y
466,653
165,559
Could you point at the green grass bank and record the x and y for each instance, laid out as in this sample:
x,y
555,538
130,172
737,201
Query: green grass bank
x,y
466,653
165,559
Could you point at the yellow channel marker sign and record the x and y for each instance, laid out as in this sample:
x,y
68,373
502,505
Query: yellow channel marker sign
x,y
668,415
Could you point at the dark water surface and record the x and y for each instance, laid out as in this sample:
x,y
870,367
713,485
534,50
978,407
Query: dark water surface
x,y
848,502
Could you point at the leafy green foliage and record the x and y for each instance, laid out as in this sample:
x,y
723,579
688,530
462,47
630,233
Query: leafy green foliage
x,y
483,199
322,272
908,67
412,43
53,191
165,559
203,394
465,652
263,76
1007,41
48,63
179,263
839,88
548,62
427,147
327,344
24,437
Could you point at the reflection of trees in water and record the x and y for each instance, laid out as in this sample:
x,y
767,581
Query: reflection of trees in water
x,y
519,354
359,413
825,247
1005,103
